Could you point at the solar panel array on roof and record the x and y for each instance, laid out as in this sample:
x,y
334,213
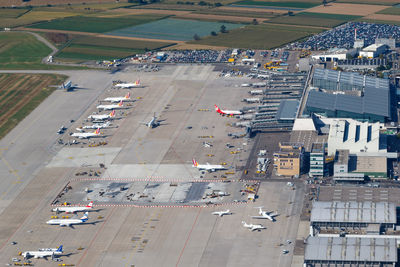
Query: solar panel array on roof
x,y
353,212
354,249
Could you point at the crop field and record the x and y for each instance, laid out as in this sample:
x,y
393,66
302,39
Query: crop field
x,y
98,48
173,29
290,4
314,19
259,37
9,3
391,19
381,21
22,93
95,24
390,11
21,50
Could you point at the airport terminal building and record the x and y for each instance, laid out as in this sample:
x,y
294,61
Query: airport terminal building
x,y
337,94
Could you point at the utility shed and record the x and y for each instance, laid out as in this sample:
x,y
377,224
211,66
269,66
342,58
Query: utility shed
x,y
350,251
353,214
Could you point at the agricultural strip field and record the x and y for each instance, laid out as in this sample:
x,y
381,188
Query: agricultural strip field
x,y
21,51
262,36
10,3
98,48
314,19
370,2
392,19
95,24
377,21
237,13
290,4
173,29
22,93
347,9
390,11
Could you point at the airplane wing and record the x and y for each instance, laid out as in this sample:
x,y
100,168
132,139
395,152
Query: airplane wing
x,y
259,217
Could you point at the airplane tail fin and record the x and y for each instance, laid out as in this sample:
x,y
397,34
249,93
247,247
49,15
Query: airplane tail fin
x,y
97,131
112,114
60,249
85,216
90,205
137,82
195,163
128,95
217,109
120,103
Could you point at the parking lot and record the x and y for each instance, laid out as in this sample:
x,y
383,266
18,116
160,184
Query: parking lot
x,y
343,36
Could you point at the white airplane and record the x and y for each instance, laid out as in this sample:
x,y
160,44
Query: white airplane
x,y
205,144
87,135
208,167
153,122
227,112
253,227
222,213
43,253
119,98
95,126
111,107
128,85
265,215
74,209
69,222
102,117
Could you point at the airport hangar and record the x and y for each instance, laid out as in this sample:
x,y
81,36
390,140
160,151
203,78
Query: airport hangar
x,y
349,95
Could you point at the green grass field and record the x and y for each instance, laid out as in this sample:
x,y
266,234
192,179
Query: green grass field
x,y
380,21
390,11
262,36
292,4
20,94
21,50
98,48
314,19
96,25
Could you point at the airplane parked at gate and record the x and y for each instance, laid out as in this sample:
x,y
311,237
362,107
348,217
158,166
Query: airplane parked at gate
x,y
87,135
253,227
111,107
95,126
119,98
153,122
222,213
265,215
101,117
208,167
128,85
227,112
69,222
74,209
43,253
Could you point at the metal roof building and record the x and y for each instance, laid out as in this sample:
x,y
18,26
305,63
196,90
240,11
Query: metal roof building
x,y
350,251
371,102
349,214
287,110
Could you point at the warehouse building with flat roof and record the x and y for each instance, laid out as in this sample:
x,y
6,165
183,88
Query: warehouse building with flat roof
x,y
371,216
350,251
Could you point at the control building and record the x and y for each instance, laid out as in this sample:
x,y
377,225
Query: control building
x,y
317,160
